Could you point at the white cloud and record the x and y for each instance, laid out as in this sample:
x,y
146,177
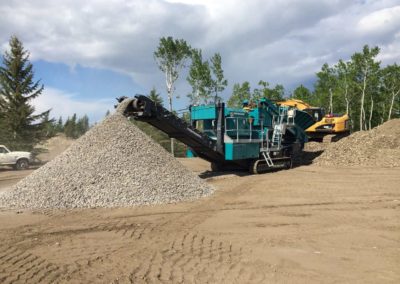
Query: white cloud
x,y
278,41
382,21
65,105
391,52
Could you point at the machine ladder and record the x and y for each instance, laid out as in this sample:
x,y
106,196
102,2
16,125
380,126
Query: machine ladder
x,y
278,131
268,159
277,136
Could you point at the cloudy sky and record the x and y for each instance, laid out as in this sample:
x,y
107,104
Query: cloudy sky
x,y
88,52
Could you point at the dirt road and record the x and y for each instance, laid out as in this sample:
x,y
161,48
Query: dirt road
x,y
9,177
304,225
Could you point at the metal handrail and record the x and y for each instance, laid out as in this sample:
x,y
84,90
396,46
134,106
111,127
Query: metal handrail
x,y
250,130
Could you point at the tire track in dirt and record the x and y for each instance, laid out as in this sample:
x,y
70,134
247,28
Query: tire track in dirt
x,y
183,257
21,266
192,257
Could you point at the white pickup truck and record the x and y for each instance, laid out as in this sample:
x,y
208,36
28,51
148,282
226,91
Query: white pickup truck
x,y
18,160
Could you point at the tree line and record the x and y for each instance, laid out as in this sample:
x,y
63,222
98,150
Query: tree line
x,y
74,127
206,79
157,135
360,86
21,127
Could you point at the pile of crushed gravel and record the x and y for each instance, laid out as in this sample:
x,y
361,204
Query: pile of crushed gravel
x,y
378,147
310,152
113,165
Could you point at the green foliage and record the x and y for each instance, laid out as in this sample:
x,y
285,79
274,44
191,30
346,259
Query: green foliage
x,y
274,94
20,127
70,127
75,127
240,93
302,93
365,81
200,79
59,127
155,97
219,82
359,87
5,134
50,127
171,56
82,125
161,138
243,92
391,87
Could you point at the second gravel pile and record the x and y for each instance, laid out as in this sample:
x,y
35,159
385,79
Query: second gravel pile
x,y
114,165
378,147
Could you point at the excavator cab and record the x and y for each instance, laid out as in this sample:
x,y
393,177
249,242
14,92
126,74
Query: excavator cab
x,y
316,113
326,127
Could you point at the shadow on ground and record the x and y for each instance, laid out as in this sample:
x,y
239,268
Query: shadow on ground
x,y
211,174
306,158
303,159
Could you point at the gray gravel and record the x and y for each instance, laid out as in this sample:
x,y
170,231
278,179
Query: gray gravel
x,y
378,147
114,165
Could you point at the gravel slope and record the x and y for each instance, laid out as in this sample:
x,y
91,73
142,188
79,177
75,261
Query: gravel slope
x,y
114,165
378,147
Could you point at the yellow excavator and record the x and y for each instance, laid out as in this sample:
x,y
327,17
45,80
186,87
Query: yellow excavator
x,y
327,127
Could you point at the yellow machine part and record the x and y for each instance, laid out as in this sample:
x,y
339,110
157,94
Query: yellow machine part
x,y
324,126
331,125
299,104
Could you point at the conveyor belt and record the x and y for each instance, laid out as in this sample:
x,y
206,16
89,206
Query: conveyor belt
x,y
144,109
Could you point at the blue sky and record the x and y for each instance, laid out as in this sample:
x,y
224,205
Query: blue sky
x,y
91,82
89,52
89,86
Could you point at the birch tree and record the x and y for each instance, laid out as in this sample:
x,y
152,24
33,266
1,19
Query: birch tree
x,y
343,70
171,57
219,82
366,69
391,85
325,87
199,78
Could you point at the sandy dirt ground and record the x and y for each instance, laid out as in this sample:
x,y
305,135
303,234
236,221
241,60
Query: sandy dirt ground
x,y
308,224
9,177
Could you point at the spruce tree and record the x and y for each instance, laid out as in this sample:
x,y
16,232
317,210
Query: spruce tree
x,y
22,128
60,125
82,126
70,127
155,97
